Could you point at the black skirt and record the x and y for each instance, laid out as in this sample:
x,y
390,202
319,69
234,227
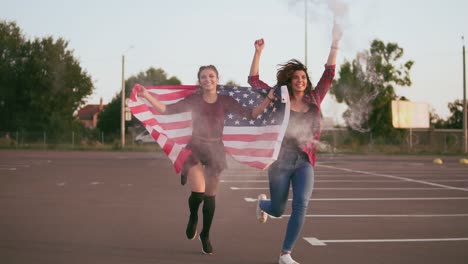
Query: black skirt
x,y
209,152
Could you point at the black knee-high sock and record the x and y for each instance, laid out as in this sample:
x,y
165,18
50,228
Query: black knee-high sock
x,y
209,205
194,202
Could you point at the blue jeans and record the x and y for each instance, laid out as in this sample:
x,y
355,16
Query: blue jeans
x,y
292,167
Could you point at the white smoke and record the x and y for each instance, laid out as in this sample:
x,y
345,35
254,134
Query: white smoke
x,y
337,11
358,112
318,10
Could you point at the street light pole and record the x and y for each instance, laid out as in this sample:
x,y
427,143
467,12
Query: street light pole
x,y
465,135
305,33
122,111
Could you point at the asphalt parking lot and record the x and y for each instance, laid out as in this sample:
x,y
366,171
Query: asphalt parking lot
x,y
128,207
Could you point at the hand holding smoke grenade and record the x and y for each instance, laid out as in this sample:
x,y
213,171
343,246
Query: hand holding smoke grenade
x,y
281,92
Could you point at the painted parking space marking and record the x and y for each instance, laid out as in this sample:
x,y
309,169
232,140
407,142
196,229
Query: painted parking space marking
x,y
250,200
343,181
397,177
380,215
345,189
10,169
15,165
320,242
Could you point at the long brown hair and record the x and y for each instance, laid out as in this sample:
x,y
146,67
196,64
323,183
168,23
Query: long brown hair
x,y
286,72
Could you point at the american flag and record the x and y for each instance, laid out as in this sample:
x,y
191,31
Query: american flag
x,y
255,142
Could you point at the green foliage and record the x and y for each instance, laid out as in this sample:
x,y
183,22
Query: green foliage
x,y
455,121
41,83
150,77
232,83
435,120
109,119
366,85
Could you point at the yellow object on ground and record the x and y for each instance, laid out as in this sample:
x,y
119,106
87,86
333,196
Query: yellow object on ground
x,y
463,161
438,161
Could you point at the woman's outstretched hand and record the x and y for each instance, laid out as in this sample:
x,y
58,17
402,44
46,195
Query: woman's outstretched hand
x,y
337,33
141,91
259,44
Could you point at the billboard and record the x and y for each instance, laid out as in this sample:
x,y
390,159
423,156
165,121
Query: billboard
x,y
406,114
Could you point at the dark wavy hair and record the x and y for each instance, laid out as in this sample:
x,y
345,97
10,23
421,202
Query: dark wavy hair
x,y
285,74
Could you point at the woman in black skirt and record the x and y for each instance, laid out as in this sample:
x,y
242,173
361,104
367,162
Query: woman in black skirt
x,y
208,158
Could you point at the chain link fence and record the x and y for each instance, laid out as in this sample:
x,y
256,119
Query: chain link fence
x,y
435,141
71,140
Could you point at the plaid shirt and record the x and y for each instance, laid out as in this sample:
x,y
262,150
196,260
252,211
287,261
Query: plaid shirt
x,y
314,99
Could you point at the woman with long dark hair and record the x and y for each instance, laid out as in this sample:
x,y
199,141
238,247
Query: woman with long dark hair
x,y
296,160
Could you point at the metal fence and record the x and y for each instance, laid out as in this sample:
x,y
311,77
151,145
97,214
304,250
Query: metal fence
x,y
444,141
35,139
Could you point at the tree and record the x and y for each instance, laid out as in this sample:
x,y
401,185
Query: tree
x,y
109,119
11,59
435,120
232,83
366,85
455,121
42,84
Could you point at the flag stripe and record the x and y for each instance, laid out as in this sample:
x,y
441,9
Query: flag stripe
x,y
259,144
250,151
251,130
250,138
173,96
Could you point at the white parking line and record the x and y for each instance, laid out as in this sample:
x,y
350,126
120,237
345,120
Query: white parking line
x,y
343,189
11,169
397,177
251,200
15,165
383,181
320,242
383,215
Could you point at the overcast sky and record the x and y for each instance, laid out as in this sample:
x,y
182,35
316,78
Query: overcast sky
x,y
179,36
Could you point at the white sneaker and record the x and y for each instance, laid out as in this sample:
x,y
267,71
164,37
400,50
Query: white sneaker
x,y
286,259
261,215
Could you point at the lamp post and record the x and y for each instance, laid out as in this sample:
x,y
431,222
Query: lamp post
x,y
122,111
465,135
305,32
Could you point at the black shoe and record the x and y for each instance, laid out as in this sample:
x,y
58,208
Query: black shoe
x,y
207,249
191,230
183,178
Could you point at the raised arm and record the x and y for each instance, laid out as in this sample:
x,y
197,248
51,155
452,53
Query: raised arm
x,y
337,34
259,44
155,102
254,79
323,86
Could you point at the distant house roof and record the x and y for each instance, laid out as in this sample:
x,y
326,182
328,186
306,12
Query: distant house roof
x,y
87,112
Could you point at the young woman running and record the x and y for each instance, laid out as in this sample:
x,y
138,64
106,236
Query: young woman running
x,y
296,160
208,159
